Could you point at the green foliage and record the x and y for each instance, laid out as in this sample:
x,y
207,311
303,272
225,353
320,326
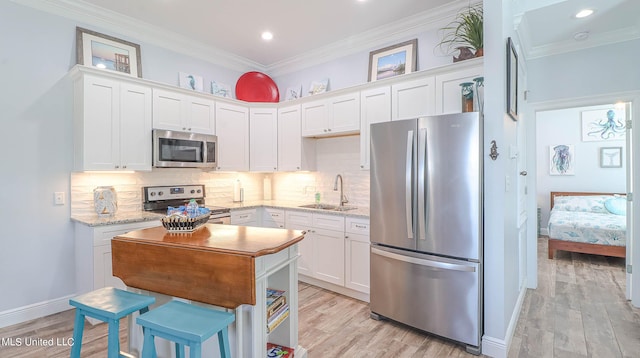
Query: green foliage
x,y
464,31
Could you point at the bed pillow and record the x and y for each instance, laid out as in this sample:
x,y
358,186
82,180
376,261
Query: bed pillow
x,y
617,205
586,203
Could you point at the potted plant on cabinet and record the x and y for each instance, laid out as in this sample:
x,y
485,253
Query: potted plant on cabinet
x,y
464,35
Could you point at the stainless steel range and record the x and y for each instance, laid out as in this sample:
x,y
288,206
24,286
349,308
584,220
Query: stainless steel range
x,y
159,198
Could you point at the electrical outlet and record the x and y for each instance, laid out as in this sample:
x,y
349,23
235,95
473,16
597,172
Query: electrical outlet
x,y
58,198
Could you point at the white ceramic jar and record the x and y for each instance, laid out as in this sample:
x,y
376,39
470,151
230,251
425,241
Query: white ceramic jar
x,y
105,200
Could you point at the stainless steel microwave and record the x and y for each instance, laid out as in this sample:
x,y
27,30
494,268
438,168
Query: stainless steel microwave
x,y
173,149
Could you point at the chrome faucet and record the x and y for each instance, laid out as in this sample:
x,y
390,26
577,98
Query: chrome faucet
x,y
343,198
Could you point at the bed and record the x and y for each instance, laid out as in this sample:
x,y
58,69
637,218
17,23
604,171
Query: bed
x,y
590,223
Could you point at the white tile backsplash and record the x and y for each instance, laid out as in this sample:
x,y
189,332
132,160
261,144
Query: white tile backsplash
x,y
339,155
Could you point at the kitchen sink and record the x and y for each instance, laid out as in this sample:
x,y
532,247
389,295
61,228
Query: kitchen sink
x,y
328,207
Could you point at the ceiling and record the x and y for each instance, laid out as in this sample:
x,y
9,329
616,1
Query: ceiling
x,y
306,31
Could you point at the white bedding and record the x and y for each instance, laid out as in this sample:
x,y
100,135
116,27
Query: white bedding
x,y
588,227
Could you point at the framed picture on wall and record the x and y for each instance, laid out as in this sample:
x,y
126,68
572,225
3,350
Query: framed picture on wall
x,y
611,157
393,60
562,159
603,124
98,50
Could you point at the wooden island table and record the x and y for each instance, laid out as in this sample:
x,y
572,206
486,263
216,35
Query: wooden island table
x,y
225,266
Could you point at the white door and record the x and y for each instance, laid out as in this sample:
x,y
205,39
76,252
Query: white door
x,y
631,285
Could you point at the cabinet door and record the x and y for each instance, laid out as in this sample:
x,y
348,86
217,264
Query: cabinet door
x,y
413,99
102,268
448,90
357,262
200,115
168,110
97,127
375,107
328,249
135,127
232,129
263,134
344,114
294,152
272,217
315,118
298,220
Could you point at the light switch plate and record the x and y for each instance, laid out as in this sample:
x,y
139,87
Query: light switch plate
x,y
58,198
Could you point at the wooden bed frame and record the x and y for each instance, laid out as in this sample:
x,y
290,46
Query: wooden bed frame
x,y
581,247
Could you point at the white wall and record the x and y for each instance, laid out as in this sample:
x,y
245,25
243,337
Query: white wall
x,y
564,126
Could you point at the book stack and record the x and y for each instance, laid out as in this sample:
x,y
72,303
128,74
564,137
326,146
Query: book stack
x,y
277,308
279,351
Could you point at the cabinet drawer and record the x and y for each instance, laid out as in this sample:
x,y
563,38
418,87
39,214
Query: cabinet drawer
x,y
243,216
298,219
103,235
274,214
357,226
330,222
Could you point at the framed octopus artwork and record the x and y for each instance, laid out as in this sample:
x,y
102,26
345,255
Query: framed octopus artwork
x,y
603,125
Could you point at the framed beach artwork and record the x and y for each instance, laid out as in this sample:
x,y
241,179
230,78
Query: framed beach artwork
x,y
611,157
220,89
190,81
393,60
107,52
320,86
293,92
562,159
603,124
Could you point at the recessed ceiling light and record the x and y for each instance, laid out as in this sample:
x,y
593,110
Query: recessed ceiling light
x,y
267,36
584,13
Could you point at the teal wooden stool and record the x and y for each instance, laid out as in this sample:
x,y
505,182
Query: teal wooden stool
x,y
186,325
108,305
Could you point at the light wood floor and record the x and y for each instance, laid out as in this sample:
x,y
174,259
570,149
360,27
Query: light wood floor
x,y
578,310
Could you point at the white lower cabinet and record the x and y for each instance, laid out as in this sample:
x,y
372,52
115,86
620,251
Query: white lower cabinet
x,y
356,246
247,217
299,220
93,254
272,217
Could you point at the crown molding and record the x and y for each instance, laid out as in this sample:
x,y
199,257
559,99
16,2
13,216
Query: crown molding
x,y
86,13
139,31
387,34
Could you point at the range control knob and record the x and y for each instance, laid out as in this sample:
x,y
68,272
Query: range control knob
x,y
192,191
160,193
153,193
199,191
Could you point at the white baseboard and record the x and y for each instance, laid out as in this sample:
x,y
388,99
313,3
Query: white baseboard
x,y
335,288
499,348
33,311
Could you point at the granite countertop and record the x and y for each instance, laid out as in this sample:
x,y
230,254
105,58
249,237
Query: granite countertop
x,y
141,216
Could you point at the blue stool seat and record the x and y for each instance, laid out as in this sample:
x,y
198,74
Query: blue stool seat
x,y
185,324
108,305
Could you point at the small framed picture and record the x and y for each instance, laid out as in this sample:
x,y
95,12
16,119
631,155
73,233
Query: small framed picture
x,y
393,60
293,92
220,89
107,52
317,87
611,157
561,159
512,80
192,82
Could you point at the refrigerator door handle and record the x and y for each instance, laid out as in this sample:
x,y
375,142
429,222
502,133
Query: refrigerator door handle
x,y
422,163
408,182
423,262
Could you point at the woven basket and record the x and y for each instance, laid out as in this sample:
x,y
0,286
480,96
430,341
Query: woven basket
x,y
176,223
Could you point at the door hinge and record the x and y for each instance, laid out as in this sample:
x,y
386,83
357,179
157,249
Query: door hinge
x,y
629,269
628,123
629,196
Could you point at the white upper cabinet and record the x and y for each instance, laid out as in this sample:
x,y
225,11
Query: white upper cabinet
x,y
294,152
112,125
375,107
263,136
337,115
232,129
182,112
448,90
413,99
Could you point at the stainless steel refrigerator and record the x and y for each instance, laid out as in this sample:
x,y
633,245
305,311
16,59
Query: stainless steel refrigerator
x,y
426,225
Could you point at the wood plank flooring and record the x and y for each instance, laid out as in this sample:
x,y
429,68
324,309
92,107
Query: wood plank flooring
x,y
578,310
